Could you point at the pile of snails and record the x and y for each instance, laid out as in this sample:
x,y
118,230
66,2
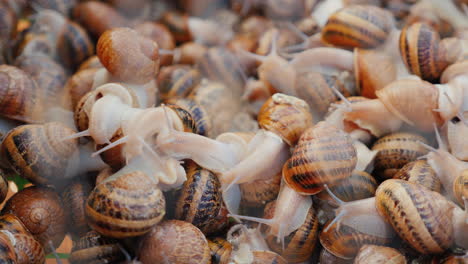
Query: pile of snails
x,y
234,131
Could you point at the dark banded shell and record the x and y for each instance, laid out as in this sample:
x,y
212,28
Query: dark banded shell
x,y
300,244
420,217
314,88
187,120
95,248
177,23
174,241
460,187
177,81
7,251
344,241
197,112
220,250
28,250
260,192
359,185
12,224
323,155
39,153
200,201
420,172
286,116
378,254
267,257
358,26
127,206
421,51
396,150
74,45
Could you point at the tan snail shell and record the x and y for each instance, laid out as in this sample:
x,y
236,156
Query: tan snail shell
x,y
328,258
78,85
177,24
421,51
200,201
220,250
287,116
323,155
38,153
267,257
128,55
177,81
419,216
379,254
419,171
92,247
90,63
396,150
300,244
460,187
126,206
260,192
358,26
174,241
41,211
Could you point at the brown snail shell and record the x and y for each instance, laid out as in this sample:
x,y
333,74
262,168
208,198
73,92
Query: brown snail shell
x,y
128,55
95,248
300,244
3,186
90,63
419,216
189,53
7,250
41,211
328,258
267,257
200,202
412,101
177,81
197,112
421,51
419,171
379,254
220,250
174,241
161,35
178,25
260,192
126,206
396,150
38,153
78,85
287,116
323,155
28,249
460,187
186,118
358,26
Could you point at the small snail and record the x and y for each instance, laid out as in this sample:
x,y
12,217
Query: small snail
x,y
174,241
93,247
379,254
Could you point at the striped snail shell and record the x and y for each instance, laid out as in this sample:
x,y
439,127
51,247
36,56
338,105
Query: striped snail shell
x,y
412,101
12,224
286,116
125,206
38,153
267,257
421,51
359,185
300,244
323,155
3,186
220,250
200,202
95,248
419,171
174,241
7,250
419,216
396,150
28,249
358,26
188,121
260,192
198,113
177,81
460,187
41,211
379,254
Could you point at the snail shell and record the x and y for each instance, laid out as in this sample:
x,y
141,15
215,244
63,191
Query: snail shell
x,y
7,250
178,25
174,241
284,9
28,250
3,186
260,192
128,55
324,155
419,216
378,254
396,150
200,202
286,116
41,211
328,258
161,35
421,51
220,250
455,260
95,248
267,257
185,117
460,187
90,63
358,26
126,206
78,85
38,153
300,244
177,81
197,112
420,172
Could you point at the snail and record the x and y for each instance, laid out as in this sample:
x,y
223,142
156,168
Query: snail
x,y
174,241
203,124
177,81
419,171
267,257
41,211
7,249
220,250
424,219
260,192
78,85
92,246
328,258
379,254
90,63
161,35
